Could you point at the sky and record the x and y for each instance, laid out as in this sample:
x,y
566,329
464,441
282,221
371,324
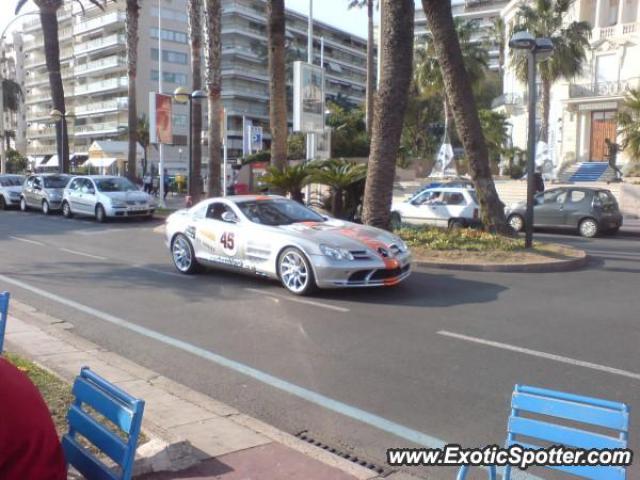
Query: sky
x,y
334,12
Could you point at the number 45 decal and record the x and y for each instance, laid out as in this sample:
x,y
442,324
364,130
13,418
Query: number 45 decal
x,y
227,240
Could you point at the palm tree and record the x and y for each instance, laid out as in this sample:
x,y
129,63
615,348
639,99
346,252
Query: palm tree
x,y
371,84
545,18
48,10
142,134
194,9
457,87
131,26
389,109
11,95
495,128
497,34
339,175
290,180
277,83
213,59
629,124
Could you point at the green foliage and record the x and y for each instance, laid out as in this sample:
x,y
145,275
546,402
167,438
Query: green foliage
x,y
11,95
495,130
629,124
290,181
261,156
16,162
464,239
418,144
349,137
346,181
296,146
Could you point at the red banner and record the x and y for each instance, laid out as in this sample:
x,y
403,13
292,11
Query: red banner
x,y
164,119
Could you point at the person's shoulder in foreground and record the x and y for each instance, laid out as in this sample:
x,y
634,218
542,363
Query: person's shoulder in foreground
x,y
29,445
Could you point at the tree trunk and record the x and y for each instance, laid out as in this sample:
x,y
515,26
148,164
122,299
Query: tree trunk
x,y
49,22
371,85
213,57
336,203
132,17
465,113
389,109
277,83
297,196
195,36
546,110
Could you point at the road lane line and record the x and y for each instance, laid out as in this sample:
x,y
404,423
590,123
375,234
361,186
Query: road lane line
x,y
536,353
82,254
26,240
299,300
319,399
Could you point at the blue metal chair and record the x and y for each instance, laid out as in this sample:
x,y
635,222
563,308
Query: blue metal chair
x,y
590,412
4,311
124,411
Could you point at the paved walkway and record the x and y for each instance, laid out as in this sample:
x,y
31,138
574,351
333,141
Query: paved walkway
x,y
191,435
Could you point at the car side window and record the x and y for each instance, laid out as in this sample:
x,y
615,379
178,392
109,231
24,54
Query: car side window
x,y
73,186
556,196
86,186
29,182
215,211
453,198
199,213
37,183
576,196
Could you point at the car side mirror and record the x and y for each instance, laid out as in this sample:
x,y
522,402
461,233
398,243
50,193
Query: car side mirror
x,y
229,217
37,187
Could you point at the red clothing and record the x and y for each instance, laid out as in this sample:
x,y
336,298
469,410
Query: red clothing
x,y
29,445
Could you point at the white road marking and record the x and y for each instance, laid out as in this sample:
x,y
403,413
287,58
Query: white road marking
x,y
299,300
547,356
82,254
26,240
102,231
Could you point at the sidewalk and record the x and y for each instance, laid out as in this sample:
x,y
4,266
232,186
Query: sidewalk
x,y
191,435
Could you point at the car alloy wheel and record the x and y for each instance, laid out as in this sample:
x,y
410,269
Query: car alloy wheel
x,y
66,210
23,204
45,207
588,228
101,216
516,222
183,255
295,272
3,204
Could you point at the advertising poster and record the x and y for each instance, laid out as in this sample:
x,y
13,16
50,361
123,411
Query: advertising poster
x,y
308,98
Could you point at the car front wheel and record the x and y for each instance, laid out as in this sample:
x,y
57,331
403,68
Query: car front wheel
x,y
516,222
45,207
23,205
295,272
588,228
66,210
183,256
101,215
3,204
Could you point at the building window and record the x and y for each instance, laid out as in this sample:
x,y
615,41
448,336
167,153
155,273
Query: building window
x,y
170,14
170,56
170,35
170,77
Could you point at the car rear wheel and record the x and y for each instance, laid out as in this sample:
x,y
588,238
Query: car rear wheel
x,y
183,256
101,215
3,204
295,272
456,224
516,222
588,228
396,221
23,204
45,207
66,210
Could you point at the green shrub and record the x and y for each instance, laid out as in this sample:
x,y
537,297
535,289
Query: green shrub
x,y
458,239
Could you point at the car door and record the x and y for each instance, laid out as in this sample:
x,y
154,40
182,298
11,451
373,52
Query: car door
x,y
453,206
89,196
218,239
576,207
420,210
26,188
37,193
549,211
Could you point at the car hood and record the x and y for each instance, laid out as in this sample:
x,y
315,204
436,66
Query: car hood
x,y
341,234
127,196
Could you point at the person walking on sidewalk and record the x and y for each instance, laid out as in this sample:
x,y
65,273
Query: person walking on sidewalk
x,y
612,155
29,445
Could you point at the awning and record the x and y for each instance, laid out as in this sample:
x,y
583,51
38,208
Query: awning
x,y
52,161
100,162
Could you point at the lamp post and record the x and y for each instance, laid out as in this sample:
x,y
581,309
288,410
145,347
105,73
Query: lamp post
x,y
58,116
537,49
182,95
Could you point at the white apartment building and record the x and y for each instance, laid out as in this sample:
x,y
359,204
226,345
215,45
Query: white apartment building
x,y
482,12
583,110
93,56
12,68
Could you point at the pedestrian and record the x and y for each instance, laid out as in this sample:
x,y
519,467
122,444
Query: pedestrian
x,y
538,180
147,181
167,183
29,445
612,155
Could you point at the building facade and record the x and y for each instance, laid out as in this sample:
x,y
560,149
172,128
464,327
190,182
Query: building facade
x,y
93,56
12,68
583,110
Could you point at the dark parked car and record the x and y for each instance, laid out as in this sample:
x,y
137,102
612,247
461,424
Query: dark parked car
x,y
43,192
589,210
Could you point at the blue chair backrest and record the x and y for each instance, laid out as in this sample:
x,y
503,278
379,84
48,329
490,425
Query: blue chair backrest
x,y
4,311
594,415
121,409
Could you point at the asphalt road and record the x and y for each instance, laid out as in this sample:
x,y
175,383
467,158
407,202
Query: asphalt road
x,y
432,360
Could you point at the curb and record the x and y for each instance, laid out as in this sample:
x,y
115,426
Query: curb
x,y
533,267
46,340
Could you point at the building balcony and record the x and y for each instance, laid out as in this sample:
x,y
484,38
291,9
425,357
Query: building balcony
x,y
102,65
94,129
615,89
102,86
507,99
84,26
94,108
615,31
116,40
35,61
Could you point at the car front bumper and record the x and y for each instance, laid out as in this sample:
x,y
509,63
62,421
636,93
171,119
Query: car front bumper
x,y
331,273
12,201
137,211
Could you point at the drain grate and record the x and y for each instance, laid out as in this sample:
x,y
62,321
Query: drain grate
x,y
382,471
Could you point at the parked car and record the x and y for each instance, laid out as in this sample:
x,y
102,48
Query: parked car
x,y
440,207
104,197
278,238
589,210
10,189
43,192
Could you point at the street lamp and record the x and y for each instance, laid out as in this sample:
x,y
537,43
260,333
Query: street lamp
x,y
58,116
182,95
537,49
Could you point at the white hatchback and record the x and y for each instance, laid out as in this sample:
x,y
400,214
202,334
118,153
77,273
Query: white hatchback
x,y
439,207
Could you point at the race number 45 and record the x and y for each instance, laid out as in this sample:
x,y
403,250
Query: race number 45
x,y
228,242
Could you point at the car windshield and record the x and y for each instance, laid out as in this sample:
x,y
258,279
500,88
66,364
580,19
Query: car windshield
x,y
11,181
115,185
56,182
277,212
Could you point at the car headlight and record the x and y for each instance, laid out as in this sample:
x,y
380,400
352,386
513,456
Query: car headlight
x,y
401,245
336,253
115,204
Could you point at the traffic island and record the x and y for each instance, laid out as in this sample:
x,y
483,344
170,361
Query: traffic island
x,y
475,250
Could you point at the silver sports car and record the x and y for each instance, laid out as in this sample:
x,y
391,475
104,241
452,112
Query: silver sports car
x,y
278,238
